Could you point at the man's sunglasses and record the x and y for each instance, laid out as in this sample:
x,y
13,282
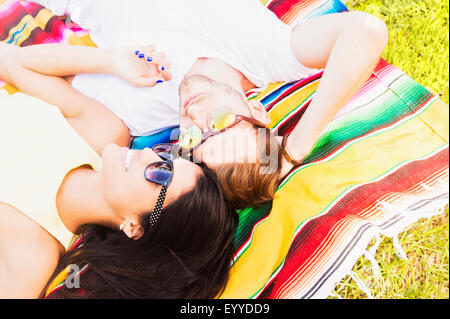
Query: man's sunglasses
x,y
220,120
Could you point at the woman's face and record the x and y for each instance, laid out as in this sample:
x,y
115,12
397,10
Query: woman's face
x,y
127,191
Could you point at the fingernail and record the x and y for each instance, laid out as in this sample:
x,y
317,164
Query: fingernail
x,y
159,81
149,59
162,68
137,52
141,55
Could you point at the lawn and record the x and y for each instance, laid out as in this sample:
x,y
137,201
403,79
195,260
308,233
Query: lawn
x,y
418,44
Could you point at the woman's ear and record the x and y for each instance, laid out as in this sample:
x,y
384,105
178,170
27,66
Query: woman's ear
x,y
132,229
258,112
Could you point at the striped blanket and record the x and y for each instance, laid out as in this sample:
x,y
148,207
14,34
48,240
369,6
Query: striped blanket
x,y
379,166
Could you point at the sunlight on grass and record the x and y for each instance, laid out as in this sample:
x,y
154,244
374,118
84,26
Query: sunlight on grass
x,y
418,44
418,38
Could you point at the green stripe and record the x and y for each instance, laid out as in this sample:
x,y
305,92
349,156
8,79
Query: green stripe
x,y
364,138
247,219
384,110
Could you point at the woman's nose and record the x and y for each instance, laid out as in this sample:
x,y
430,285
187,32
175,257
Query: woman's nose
x,y
149,155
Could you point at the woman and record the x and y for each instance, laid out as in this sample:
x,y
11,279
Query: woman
x,y
144,216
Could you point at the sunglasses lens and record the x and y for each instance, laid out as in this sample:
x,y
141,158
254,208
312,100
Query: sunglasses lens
x,y
164,150
160,173
190,137
222,118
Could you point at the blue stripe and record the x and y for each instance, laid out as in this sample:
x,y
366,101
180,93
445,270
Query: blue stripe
x,y
16,33
275,94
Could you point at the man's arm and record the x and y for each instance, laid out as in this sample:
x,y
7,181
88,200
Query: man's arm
x,y
348,46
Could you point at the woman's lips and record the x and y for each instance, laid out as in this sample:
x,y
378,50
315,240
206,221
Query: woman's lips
x,y
191,98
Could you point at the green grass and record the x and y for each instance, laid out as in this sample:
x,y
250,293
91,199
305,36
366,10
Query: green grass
x,y
424,275
418,44
418,38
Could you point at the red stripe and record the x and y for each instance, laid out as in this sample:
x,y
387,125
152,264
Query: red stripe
x,y
283,7
298,85
310,237
12,18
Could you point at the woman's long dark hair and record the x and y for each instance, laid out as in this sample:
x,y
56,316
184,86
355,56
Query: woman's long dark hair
x,y
187,254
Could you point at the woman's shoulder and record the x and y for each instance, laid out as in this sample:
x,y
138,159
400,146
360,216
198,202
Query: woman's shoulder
x,y
28,254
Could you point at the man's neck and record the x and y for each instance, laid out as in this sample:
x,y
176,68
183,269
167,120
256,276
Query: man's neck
x,y
222,72
79,202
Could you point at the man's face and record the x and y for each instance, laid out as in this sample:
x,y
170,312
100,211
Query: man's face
x,y
200,96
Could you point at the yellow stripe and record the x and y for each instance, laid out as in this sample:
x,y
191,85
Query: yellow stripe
x,y
310,191
58,280
25,34
83,40
9,89
288,104
43,17
18,27
433,118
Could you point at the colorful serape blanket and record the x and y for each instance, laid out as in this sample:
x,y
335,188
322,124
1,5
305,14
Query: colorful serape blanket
x,y
379,166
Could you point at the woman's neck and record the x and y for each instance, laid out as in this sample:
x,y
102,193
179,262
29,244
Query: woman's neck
x,y
80,201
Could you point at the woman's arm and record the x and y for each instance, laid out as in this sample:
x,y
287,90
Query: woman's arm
x,y
348,46
66,60
36,70
92,120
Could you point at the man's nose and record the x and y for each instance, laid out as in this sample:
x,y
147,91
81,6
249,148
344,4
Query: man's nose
x,y
199,118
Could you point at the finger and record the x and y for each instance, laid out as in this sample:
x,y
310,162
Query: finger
x,y
146,81
166,64
165,73
146,50
156,58
162,65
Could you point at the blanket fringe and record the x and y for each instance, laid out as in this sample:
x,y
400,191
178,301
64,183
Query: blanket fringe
x,y
375,267
361,285
404,217
399,249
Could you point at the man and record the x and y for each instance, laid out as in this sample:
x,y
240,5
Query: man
x,y
219,50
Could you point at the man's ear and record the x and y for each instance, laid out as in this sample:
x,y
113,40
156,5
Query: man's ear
x,y
258,112
133,230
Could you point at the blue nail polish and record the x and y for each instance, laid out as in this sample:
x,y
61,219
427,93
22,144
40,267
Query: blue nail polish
x,y
162,68
159,81
149,59
137,52
141,55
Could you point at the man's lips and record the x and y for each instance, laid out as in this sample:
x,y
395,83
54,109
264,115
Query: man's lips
x,y
191,98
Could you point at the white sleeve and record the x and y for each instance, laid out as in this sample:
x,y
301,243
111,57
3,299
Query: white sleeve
x,y
100,17
86,13
58,7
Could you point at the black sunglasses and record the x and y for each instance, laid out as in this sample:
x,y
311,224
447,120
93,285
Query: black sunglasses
x,y
160,173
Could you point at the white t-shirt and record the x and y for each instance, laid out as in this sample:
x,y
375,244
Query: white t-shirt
x,y
242,33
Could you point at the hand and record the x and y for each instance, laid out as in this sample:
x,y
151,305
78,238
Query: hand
x,y
141,66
